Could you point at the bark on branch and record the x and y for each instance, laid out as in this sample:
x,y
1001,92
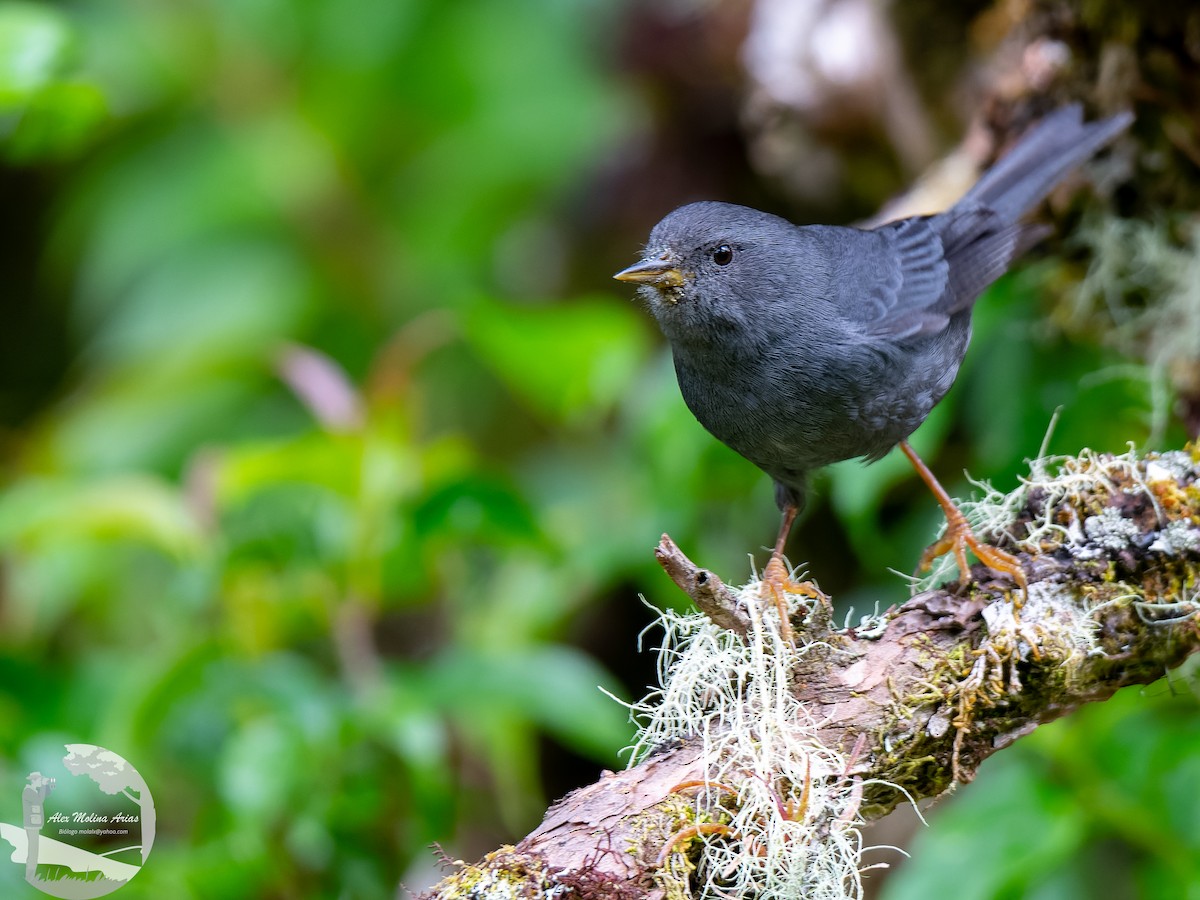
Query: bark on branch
x,y
1111,547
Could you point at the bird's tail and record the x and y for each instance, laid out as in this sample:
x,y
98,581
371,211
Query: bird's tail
x,y
1029,171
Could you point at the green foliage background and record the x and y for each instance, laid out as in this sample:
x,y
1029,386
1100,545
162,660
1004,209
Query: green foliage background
x,y
333,460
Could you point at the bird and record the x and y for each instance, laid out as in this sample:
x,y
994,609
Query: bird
x,y
799,346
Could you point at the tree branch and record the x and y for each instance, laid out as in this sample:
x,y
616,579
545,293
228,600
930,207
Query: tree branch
x,y
759,754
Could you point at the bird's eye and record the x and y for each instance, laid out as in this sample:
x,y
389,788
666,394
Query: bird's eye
x,y
723,255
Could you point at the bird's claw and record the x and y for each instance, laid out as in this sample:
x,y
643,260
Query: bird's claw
x,y
958,538
776,582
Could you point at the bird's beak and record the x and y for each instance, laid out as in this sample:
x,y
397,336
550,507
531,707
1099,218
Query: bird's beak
x,y
658,272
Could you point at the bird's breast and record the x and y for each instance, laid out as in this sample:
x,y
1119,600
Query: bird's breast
x,y
798,410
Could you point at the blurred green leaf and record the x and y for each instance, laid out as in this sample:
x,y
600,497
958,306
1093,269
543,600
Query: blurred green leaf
x,y
128,507
35,45
199,309
58,122
1098,796
257,768
1032,830
46,112
568,363
317,459
411,721
557,687
477,508
187,347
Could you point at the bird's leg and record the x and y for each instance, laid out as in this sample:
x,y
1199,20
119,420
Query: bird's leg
x,y
777,581
785,528
959,536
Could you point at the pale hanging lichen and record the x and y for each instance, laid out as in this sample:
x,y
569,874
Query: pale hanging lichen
x,y
783,809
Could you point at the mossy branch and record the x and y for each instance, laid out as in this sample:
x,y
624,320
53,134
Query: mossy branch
x,y
759,759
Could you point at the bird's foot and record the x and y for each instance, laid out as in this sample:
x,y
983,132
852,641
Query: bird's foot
x,y
776,582
958,538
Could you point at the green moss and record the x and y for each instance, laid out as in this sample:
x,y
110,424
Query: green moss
x,y
675,816
501,875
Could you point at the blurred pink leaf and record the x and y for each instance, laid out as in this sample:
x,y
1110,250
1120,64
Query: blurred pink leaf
x,y
322,386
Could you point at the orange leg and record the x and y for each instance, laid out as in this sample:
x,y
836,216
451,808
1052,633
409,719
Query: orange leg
x,y
785,528
776,580
959,537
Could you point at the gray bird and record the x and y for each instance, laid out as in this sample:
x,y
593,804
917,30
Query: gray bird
x,y
799,346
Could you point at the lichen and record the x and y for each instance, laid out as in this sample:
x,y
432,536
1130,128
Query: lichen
x,y
1132,259
1106,532
789,807
1178,537
504,874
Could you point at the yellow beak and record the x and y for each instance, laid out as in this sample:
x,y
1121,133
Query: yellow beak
x,y
658,272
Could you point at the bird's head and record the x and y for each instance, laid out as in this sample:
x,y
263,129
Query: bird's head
x,y
709,266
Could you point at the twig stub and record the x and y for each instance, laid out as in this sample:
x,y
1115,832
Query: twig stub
x,y
710,594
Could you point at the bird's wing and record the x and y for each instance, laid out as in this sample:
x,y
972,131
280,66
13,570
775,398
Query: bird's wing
x,y
930,267
892,280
